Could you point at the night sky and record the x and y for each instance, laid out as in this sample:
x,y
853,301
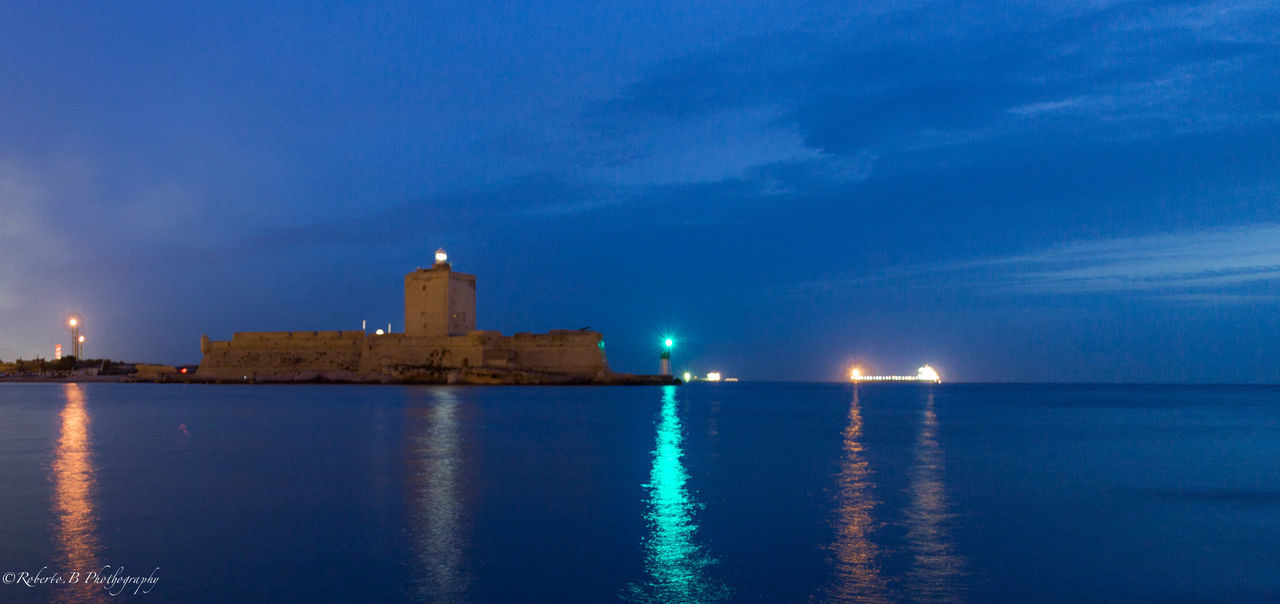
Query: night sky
x,y
1088,192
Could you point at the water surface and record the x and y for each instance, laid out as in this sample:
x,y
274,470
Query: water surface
x,y
705,492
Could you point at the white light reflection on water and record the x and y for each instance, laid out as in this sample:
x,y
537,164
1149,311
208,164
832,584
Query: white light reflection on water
x,y
936,570
857,566
74,487
677,565
434,464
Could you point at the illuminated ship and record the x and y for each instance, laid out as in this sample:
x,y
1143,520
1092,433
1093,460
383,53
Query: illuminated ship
x,y
924,374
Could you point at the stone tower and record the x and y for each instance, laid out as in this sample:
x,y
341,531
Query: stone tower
x,y
438,301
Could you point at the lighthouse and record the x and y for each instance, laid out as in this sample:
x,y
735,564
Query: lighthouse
x,y
664,359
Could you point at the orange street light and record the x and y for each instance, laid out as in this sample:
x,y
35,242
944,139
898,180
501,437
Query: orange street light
x,y
75,336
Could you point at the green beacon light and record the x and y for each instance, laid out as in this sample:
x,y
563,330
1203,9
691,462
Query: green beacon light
x,y
664,357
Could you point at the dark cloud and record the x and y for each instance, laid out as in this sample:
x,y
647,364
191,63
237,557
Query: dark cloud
x,y
848,90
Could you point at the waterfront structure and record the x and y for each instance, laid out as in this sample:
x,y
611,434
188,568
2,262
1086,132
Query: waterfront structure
x,y
664,359
440,344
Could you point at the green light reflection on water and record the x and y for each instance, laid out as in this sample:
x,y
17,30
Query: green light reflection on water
x,y
675,562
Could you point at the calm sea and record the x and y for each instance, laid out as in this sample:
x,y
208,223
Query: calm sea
x,y
705,492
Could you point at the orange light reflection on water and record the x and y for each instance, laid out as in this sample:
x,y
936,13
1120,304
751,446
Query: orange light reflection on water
x,y
936,568
73,490
857,567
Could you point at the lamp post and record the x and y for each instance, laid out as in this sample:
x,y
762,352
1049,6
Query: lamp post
x,y
79,347
75,337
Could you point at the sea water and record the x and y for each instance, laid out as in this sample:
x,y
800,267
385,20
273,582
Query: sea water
x,y
703,492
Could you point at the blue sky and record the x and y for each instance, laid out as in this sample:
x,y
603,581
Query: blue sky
x,y
1082,192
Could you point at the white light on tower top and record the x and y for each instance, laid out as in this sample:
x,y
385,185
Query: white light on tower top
x,y
441,257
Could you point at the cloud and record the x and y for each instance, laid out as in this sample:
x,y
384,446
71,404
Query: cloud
x,y
926,87
1043,107
1203,267
73,242
1106,72
1184,265
30,241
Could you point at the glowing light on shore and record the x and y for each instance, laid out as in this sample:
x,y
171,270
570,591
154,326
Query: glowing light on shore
x,y
441,256
924,374
714,376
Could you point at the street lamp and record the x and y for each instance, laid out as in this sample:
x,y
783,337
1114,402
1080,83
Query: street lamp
x,y
79,347
76,339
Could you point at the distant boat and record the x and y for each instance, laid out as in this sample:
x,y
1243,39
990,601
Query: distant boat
x,y
924,374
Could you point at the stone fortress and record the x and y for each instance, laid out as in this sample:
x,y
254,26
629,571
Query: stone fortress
x,y
440,344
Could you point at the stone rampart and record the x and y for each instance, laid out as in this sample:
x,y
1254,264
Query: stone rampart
x,y
559,351
257,355
355,356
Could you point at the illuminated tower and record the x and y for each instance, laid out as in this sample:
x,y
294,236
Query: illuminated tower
x,y
664,359
438,301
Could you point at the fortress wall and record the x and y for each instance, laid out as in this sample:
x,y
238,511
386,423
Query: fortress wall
x,y
294,339
406,352
305,354
462,304
559,351
280,354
